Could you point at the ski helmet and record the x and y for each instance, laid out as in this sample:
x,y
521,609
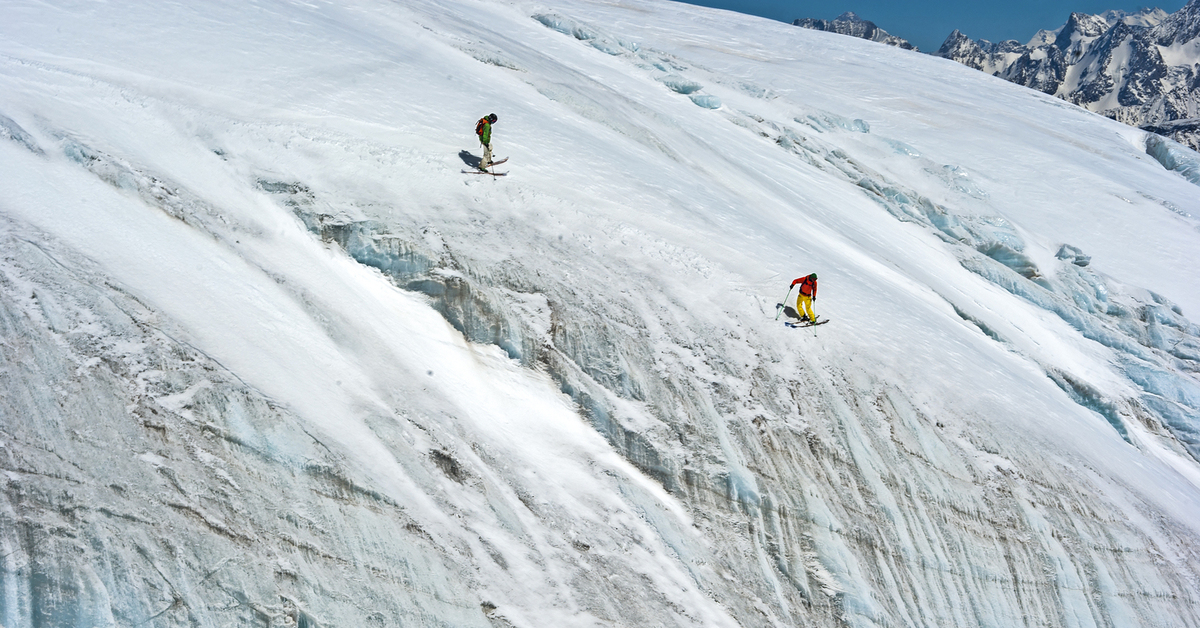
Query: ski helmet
x,y
492,118
813,276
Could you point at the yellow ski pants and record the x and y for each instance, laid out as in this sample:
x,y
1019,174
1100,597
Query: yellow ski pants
x,y
804,306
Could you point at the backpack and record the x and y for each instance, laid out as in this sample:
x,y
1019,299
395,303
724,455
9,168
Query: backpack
x,y
808,286
479,126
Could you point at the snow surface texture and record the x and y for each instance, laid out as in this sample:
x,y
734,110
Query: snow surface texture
x,y
269,358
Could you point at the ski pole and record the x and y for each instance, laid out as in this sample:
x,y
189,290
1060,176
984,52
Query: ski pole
x,y
779,308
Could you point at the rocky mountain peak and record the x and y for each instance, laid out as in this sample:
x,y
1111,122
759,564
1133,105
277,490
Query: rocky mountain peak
x,y
957,40
1180,27
1080,26
1042,38
849,23
1145,17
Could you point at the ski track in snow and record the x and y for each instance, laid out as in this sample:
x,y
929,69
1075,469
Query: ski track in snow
x,y
268,357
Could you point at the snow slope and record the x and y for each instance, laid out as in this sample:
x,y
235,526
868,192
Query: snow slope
x,y
270,358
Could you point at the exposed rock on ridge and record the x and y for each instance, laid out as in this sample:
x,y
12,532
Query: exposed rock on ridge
x,y
850,24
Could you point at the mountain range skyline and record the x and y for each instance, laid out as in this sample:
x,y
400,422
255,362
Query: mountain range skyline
x,y
928,24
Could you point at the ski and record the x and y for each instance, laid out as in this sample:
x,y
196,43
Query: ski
x,y
820,321
493,164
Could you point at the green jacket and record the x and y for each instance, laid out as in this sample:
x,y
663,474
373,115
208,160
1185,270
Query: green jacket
x,y
485,131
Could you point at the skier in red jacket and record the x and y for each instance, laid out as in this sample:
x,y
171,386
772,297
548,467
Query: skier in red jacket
x,y
808,294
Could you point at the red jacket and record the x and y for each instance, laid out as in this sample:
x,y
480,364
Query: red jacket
x,y
808,286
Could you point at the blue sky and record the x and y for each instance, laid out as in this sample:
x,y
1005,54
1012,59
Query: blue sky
x,y
926,23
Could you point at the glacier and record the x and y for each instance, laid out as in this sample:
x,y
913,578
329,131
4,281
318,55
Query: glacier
x,y
268,358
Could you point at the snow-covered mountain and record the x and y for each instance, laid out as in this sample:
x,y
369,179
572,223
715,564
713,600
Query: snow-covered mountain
x,y
1142,69
850,24
269,357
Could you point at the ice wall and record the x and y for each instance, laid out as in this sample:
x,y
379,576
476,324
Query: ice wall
x,y
145,484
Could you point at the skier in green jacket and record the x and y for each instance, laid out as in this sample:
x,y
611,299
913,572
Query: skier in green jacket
x,y
483,129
